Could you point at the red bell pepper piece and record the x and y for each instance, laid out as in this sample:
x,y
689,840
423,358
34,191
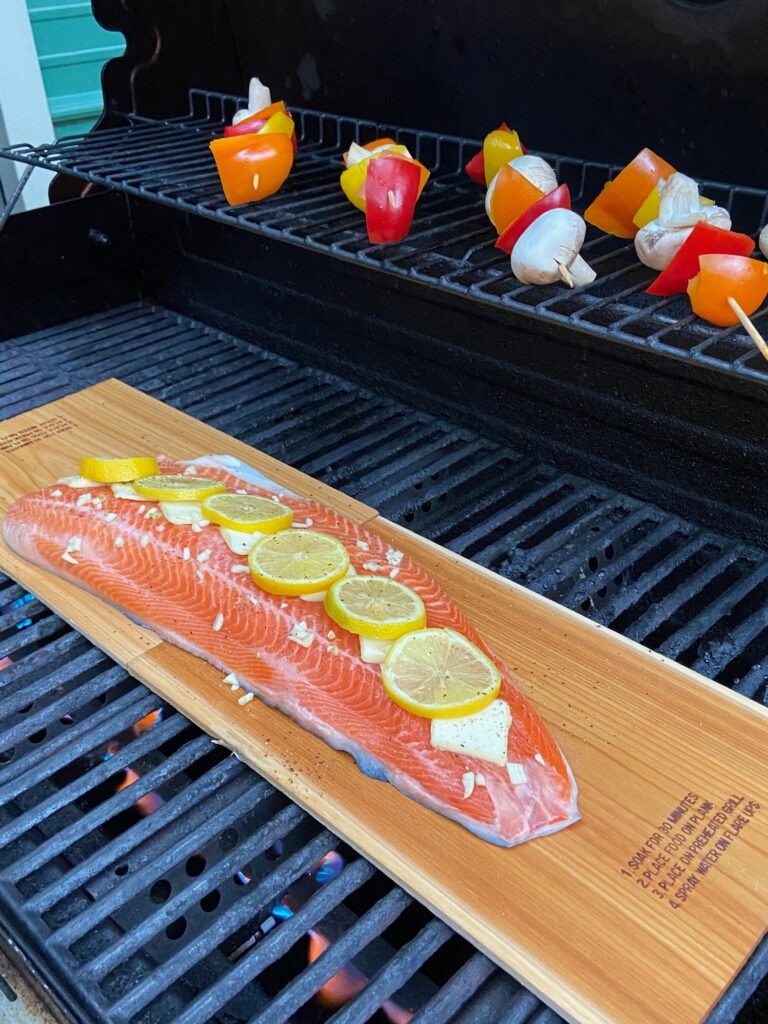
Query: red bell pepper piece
x,y
558,198
475,168
391,191
703,240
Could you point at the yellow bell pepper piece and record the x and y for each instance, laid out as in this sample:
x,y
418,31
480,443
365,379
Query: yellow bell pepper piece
x,y
278,124
499,147
652,207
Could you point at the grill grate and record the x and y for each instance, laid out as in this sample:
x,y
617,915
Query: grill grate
x,y
451,245
150,914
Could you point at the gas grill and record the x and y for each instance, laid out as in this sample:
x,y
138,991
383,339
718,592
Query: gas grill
x,y
601,447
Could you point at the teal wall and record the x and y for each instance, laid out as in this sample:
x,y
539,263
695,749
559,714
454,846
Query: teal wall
x,y
72,49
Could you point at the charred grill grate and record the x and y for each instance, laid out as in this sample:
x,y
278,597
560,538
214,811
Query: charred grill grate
x,y
147,919
450,246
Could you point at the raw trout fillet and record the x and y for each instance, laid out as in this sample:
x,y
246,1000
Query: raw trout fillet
x,y
184,583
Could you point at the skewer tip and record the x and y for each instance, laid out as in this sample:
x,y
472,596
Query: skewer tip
x,y
749,327
565,274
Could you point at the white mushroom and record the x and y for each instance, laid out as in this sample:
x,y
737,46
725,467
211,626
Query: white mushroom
x,y
536,170
259,97
548,250
680,208
763,241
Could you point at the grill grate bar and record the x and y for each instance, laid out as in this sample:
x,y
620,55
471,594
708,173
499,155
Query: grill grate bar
x,y
100,773
703,622
650,581
121,847
275,829
268,890
133,884
121,801
368,927
395,974
462,986
502,1001
280,940
55,709
39,763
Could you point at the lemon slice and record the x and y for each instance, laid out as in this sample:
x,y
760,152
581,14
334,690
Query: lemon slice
x,y
375,607
168,487
116,471
295,562
247,513
437,673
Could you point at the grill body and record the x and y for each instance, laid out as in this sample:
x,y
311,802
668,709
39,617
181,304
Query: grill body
x,y
603,452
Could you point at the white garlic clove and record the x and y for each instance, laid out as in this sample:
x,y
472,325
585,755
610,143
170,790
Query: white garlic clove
x,y
763,241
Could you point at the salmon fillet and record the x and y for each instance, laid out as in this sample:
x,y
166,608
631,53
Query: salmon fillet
x,y
181,583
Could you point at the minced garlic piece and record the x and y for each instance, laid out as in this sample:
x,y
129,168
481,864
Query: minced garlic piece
x,y
301,635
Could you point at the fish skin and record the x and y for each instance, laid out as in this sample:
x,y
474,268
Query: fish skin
x,y
334,695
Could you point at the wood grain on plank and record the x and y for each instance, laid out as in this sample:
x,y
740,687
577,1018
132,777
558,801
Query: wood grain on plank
x,y
571,915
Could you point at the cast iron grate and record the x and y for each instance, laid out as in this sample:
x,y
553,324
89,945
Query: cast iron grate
x,y
145,918
451,244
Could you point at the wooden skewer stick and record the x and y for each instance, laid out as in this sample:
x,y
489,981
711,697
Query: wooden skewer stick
x,y
749,327
565,274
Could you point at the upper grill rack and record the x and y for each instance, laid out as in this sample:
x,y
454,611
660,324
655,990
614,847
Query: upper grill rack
x,y
451,244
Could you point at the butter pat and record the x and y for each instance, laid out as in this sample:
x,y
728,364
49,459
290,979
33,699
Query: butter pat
x,y
237,540
482,735
125,491
183,513
374,651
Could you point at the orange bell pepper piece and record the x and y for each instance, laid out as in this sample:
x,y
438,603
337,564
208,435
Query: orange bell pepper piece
x,y
723,277
278,107
617,204
509,196
252,167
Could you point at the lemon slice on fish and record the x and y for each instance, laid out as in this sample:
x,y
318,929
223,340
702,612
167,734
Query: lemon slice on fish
x,y
297,562
375,607
437,673
171,487
247,513
106,470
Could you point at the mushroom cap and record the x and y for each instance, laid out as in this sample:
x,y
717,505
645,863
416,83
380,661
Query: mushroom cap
x,y
536,170
551,241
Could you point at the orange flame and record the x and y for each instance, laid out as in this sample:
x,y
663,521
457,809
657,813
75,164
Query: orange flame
x,y
147,722
346,983
146,804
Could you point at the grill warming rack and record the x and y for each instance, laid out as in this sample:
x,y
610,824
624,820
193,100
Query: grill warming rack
x,y
100,906
451,244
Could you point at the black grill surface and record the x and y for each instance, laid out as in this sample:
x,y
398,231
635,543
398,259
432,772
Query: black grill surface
x,y
451,244
167,917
